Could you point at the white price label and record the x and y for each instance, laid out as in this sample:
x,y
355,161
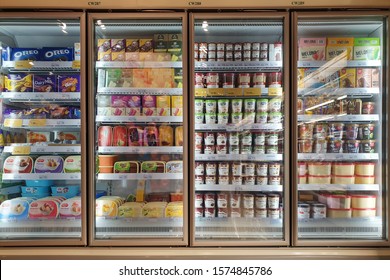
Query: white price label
x,y
43,177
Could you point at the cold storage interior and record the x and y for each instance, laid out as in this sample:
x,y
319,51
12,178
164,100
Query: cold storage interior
x,y
40,136
341,129
139,134
239,129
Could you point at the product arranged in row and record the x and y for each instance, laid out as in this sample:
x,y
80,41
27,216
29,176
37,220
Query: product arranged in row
x,y
148,136
162,47
38,138
323,105
238,173
339,205
238,80
311,49
115,206
26,82
42,164
336,172
337,138
345,78
135,105
41,54
238,51
47,112
236,205
110,164
140,78
50,207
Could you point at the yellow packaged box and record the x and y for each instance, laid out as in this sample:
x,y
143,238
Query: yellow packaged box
x,y
163,105
348,78
154,210
131,210
146,45
177,105
338,46
174,210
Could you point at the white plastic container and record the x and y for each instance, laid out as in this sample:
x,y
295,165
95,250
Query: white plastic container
x,y
343,180
363,213
365,168
339,213
343,168
319,179
319,168
363,201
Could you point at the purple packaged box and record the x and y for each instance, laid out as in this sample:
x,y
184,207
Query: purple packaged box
x,y
119,100
45,83
49,164
149,101
69,83
32,54
134,101
118,45
57,54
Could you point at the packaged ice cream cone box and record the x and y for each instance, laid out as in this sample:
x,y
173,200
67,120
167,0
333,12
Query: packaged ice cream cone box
x,y
131,210
49,164
340,47
135,136
15,209
311,49
119,135
18,164
177,105
367,49
72,164
71,208
44,208
163,105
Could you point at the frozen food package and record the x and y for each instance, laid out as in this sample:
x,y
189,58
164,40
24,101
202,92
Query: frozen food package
x,y
126,167
44,208
72,164
31,54
177,105
364,77
19,82
174,210
367,49
15,209
104,50
132,45
131,210
175,166
153,167
107,206
57,54
149,105
135,136
118,45
348,78
161,43
340,47
311,49
134,106
119,135
154,210
150,136
163,105
71,208
37,137
45,83
18,164
69,83
146,45
165,135
175,46
49,164
179,136
66,137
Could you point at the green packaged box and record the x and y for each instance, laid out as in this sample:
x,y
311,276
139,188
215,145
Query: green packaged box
x,y
366,49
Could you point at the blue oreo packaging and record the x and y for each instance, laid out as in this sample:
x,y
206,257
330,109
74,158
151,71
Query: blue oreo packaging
x,y
45,83
31,54
57,54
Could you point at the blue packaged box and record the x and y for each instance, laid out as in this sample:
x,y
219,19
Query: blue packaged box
x,y
45,83
57,54
32,54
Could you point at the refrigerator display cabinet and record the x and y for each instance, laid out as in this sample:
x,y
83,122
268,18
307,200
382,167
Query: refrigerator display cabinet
x,y
139,135
239,129
341,101
42,85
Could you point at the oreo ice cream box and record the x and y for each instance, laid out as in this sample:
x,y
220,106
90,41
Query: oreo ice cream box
x,y
31,54
57,54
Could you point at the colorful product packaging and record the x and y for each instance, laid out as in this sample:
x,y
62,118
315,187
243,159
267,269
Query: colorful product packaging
x,y
311,49
364,77
45,83
366,49
32,54
118,45
77,51
177,105
69,83
163,105
146,45
337,46
57,54
178,78
104,50
175,46
161,42
348,78
149,105
19,82
132,45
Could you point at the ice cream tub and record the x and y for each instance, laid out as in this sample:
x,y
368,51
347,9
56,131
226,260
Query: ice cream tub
x,y
222,118
364,179
107,160
223,105
343,168
335,146
366,131
339,201
351,131
367,146
274,169
336,130
14,209
199,105
303,211
318,179
261,180
339,213
135,136
153,167
320,146
275,105
365,168
211,118
260,201
18,164
302,168
63,190
236,105
343,179
72,164
126,167
44,209
130,210
352,146
49,164
262,169
319,168
236,118
262,105
302,179
274,180
174,209
362,201
363,213
305,146
174,166
275,117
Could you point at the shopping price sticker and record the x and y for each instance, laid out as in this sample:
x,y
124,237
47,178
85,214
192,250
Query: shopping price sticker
x,y
13,122
37,122
24,64
233,91
200,92
215,92
275,91
252,91
21,150
76,64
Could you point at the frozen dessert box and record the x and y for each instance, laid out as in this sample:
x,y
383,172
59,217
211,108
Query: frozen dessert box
x,y
174,210
165,135
18,164
37,137
18,82
69,83
339,46
108,206
57,54
367,49
154,210
153,167
31,54
131,210
45,83
126,167
72,164
15,209
71,208
66,137
44,208
49,164
311,49
175,166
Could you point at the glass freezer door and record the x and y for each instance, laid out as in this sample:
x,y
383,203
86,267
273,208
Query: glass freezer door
x,y
342,129
239,133
139,130
41,129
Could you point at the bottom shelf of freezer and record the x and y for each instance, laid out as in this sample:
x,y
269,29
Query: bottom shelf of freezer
x,y
341,228
238,228
107,228
38,229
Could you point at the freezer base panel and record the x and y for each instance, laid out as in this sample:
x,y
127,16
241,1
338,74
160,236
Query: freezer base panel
x,y
40,229
238,228
355,228
139,228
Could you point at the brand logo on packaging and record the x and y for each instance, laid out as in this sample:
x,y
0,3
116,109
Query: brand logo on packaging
x,y
56,52
194,3
23,53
